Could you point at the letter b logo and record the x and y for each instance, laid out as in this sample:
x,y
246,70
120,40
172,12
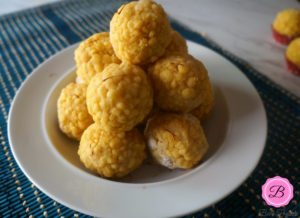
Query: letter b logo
x,y
277,191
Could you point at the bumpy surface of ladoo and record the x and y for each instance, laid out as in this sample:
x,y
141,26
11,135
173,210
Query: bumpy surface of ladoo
x,y
178,82
140,32
176,140
203,110
120,97
177,45
93,55
111,154
73,116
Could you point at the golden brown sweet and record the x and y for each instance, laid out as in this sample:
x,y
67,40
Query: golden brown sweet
x,y
177,81
140,32
93,55
111,154
73,116
120,97
177,45
203,110
176,140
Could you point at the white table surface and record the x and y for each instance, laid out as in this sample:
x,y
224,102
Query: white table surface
x,y
240,26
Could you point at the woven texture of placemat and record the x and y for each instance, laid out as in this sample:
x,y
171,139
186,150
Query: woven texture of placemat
x,y
29,37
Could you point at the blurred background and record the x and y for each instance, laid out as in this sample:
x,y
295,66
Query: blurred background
x,y
8,6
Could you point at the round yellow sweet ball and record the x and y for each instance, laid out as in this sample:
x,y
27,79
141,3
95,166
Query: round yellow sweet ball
x,y
120,97
176,140
177,81
93,55
111,154
140,32
73,116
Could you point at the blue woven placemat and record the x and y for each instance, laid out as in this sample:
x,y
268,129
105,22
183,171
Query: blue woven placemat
x,y
29,37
